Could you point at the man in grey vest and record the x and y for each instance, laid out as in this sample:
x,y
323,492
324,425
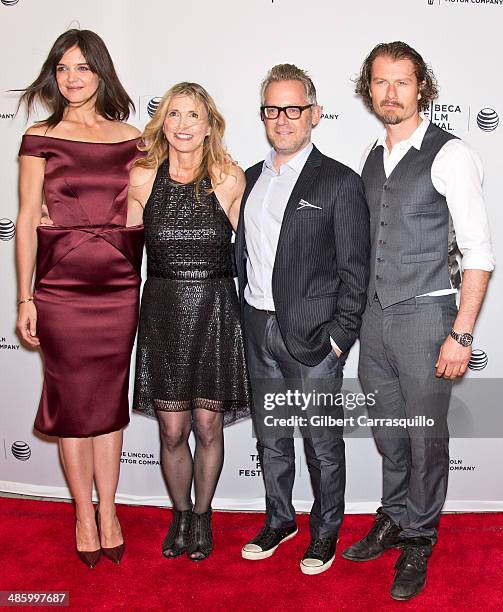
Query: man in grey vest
x,y
423,187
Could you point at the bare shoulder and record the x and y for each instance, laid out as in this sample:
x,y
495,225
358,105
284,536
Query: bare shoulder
x,y
129,131
37,129
140,177
232,179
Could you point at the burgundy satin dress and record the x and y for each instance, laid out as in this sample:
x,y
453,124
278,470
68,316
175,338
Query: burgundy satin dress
x,y
87,285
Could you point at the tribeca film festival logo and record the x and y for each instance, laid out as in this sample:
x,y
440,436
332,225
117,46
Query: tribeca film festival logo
x,y
254,470
488,119
9,2
449,117
478,360
7,229
20,450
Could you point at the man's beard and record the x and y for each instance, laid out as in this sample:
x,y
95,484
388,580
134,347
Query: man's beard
x,y
389,117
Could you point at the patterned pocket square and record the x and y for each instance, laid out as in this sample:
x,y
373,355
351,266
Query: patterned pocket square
x,y
303,204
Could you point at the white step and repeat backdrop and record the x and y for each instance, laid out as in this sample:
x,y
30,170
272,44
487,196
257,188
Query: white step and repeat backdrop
x,y
227,46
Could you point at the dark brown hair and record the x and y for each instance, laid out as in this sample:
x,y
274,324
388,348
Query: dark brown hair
x,y
398,51
112,100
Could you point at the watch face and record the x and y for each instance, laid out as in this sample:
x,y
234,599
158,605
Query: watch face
x,y
466,339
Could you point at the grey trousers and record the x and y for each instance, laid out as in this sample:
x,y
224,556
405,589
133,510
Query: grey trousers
x,y
273,368
399,347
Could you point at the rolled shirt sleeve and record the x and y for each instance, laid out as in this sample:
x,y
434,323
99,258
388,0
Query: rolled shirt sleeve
x,y
457,174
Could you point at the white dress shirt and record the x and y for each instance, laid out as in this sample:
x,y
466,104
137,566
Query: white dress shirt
x,y
457,174
263,216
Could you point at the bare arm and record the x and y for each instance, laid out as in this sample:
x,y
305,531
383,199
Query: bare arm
x,y
230,193
141,181
453,358
31,184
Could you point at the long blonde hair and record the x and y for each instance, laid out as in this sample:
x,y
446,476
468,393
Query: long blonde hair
x,y
215,162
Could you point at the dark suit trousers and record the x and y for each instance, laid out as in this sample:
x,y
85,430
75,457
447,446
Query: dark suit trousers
x,y
399,347
272,367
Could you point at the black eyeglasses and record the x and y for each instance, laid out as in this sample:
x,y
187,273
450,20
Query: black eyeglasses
x,y
291,112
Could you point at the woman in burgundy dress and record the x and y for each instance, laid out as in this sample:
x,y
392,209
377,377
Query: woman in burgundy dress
x,y
84,308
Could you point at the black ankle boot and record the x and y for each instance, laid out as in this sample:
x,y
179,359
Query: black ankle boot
x,y
410,569
201,537
384,534
176,540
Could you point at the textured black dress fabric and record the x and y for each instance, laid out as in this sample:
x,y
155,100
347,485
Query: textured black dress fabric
x,y
190,350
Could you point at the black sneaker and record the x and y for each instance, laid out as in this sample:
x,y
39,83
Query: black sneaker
x,y
410,575
383,535
265,543
319,556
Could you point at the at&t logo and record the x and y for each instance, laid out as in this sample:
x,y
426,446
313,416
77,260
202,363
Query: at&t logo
x,y
488,119
21,450
478,360
152,106
7,229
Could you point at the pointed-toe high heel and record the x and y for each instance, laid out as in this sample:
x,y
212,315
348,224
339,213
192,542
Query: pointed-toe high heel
x,y
114,553
89,557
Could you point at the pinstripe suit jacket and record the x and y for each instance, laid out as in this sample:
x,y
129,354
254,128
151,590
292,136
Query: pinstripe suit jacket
x,y
321,269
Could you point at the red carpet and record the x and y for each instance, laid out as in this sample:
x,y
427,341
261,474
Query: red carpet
x,y
36,553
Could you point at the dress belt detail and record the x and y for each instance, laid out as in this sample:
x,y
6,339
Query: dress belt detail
x,y
192,274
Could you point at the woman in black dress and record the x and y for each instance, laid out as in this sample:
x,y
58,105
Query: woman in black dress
x,y
190,365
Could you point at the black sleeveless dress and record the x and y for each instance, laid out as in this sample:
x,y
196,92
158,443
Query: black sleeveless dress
x,y
190,351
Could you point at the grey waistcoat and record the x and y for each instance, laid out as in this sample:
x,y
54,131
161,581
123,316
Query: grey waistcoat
x,y
411,229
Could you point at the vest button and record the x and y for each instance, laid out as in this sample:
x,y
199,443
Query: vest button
x,y
381,242
383,223
385,205
380,259
378,277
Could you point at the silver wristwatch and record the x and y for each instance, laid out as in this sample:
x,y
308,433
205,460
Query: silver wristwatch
x,y
465,339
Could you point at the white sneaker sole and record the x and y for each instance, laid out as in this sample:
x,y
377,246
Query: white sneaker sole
x,y
264,554
317,569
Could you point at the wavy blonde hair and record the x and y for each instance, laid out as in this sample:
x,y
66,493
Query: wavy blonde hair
x,y
215,162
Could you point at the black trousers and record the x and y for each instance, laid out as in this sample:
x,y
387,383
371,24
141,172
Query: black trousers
x,y
273,370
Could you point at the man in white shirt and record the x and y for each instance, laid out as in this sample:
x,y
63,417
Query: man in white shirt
x,y
302,254
424,190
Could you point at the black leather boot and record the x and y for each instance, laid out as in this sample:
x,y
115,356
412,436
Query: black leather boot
x,y
383,535
410,575
176,540
200,536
